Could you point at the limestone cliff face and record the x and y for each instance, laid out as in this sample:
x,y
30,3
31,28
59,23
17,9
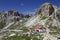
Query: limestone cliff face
x,y
46,9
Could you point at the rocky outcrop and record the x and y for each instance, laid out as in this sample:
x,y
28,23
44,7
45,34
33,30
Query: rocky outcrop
x,y
10,16
45,10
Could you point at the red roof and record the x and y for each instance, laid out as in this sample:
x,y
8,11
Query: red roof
x,y
38,27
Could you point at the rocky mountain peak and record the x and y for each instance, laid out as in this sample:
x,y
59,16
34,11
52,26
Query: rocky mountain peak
x,y
46,9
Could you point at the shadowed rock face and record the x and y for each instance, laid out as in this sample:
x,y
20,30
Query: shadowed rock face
x,y
13,13
45,10
58,14
51,9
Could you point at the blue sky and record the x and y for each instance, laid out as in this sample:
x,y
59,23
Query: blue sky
x,y
24,6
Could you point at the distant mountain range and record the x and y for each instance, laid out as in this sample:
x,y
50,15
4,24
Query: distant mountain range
x,y
12,16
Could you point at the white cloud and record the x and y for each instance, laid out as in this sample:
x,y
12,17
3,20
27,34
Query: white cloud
x,y
35,9
21,4
31,12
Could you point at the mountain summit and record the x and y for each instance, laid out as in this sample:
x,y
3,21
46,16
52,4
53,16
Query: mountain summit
x,y
46,9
